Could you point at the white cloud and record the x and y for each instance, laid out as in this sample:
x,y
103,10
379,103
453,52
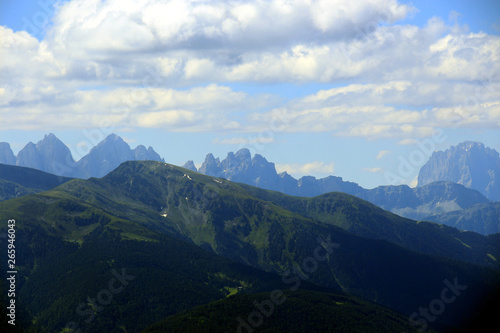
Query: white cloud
x,y
373,170
156,63
231,38
243,141
393,109
311,168
165,118
382,153
414,182
179,23
196,109
407,142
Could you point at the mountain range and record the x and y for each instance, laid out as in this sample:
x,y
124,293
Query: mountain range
x,y
189,247
441,201
235,246
51,155
470,164
439,196
257,171
19,181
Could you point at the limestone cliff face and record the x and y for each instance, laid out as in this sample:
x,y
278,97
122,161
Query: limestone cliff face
x,y
257,171
470,164
53,156
109,154
243,168
6,154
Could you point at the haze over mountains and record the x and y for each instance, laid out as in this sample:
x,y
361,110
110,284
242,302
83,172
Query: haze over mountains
x,y
211,246
430,201
151,221
470,164
456,187
53,156
19,181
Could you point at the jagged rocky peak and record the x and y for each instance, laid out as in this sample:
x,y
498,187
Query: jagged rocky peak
x,y
111,148
285,175
244,154
143,154
210,159
257,171
211,166
112,138
140,152
109,154
466,145
51,155
261,166
190,166
237,162
6,154
470,164
259,160
153,155
30,157
54,150
49,140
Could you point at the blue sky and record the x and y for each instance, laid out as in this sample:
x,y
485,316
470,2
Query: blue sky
x,y
324,87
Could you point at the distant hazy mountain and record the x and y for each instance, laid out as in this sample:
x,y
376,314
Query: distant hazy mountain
x,y
421,202
18,181
146,217
481,218
242,168
418,203
190,166
104,157
53,156
6,154
257,171
109,154
49,155
470,164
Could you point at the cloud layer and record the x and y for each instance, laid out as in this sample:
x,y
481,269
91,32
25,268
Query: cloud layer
x,y
173,65
316,167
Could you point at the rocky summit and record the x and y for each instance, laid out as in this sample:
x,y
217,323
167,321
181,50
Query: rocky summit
x,y
51,155
470,164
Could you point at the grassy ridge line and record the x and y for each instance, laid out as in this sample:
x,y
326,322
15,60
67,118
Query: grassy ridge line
x,y
244,225
245,228
297,311
364,219
56,278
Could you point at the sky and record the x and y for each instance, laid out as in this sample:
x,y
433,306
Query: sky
x,y
365,90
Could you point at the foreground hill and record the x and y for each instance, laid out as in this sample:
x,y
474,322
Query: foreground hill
x,y
367,220
432,198
298,311
141,199
104,282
